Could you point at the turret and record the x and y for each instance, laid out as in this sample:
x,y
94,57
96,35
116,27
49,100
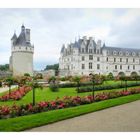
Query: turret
x,y
13,39
98,47
22,28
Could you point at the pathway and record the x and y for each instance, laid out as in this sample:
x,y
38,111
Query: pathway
x,y
3,89
123,118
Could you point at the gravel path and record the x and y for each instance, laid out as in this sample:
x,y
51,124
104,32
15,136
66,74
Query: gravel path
x,y
5,89
123,118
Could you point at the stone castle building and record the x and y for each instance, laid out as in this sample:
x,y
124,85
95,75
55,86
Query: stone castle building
x,y
21,59
86,56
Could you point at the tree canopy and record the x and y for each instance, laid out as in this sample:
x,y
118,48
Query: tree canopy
x,y
54,67
4,67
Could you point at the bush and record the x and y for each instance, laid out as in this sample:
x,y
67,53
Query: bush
x,y
67,85
54,87
102,87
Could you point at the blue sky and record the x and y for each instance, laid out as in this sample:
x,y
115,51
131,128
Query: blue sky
x,y
50,28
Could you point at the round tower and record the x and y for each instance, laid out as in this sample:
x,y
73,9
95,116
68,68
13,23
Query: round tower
x,y
21,60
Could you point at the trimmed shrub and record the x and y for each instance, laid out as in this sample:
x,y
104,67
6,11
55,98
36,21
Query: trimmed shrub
x,y
107,87
54,87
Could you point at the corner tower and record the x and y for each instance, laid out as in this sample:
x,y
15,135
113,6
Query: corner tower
x,y
21,59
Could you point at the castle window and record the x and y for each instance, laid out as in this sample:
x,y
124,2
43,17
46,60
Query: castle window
x,y
98,51
127,60
90,65
83,58
107,59
120,59
98,58
128,67
90,50
120,67
115,67
127,53
114,59
90,57
133,60
133,67
133,53
120,53
83,66
26,48
98,66
82,50
114,52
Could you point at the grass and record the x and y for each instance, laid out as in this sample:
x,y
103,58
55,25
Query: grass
x,y
46,95
30,121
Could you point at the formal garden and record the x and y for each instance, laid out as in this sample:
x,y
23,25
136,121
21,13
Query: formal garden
x,y
32,103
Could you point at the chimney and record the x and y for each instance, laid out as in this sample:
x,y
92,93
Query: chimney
x,y
28,35
99,42
84,37
91,38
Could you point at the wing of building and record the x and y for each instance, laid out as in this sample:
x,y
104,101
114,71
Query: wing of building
x,y
86,56
21,59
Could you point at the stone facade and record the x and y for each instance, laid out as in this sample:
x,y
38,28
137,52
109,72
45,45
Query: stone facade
x,y
21,59
86,56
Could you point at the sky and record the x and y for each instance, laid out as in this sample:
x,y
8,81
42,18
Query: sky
x,y
50,28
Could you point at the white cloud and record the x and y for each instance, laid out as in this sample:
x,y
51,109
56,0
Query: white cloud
x,y
50,28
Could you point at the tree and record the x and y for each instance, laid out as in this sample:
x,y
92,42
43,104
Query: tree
x,y
39,76
96,79
9,82
4,67
26,74
77,80
34,84
53,84
54,67
110,76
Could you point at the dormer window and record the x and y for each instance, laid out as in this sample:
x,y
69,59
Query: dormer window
x,y
133,53
114,52
127,53
120,53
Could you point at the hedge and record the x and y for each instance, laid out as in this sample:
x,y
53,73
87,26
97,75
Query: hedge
x,y
107,87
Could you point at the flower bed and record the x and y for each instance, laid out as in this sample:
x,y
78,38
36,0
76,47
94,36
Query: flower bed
x,y
16,95
67,101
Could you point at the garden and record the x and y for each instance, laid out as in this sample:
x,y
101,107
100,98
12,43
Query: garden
x,y
31,99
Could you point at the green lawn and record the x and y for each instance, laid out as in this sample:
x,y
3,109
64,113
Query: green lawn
x,y
30,121
47,95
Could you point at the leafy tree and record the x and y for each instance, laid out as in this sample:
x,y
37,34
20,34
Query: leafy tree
x,y
26,74
34,84
4,67
53,84
54,67
110,76
39,76
77,80
9,82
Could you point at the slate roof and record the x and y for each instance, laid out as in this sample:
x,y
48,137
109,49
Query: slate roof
x,y
21,39
14,37
63,48
124,51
